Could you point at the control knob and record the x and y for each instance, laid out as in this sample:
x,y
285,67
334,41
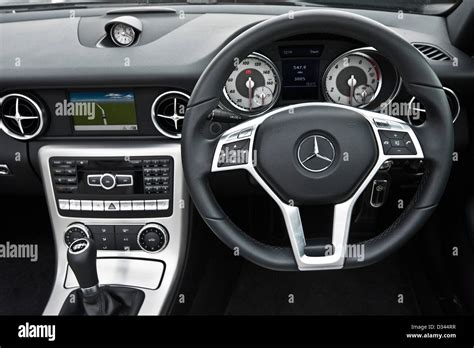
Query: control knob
x,y
152,238
74,232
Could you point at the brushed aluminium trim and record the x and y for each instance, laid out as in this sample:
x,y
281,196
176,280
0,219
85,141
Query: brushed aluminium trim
x,y
156,301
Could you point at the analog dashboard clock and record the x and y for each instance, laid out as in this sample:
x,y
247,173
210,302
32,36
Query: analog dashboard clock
x,y
122,34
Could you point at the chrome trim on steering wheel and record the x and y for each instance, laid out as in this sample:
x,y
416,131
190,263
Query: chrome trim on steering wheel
x,y
291,213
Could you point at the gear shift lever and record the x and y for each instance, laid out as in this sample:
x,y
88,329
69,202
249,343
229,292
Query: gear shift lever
x,y
82,258
95,300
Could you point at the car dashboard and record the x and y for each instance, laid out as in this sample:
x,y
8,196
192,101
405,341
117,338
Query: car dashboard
x,y
93,101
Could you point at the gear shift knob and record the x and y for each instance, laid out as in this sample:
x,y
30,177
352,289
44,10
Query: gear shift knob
x,y
82,258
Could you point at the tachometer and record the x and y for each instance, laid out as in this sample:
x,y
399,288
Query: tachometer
x,y
254,85
352,79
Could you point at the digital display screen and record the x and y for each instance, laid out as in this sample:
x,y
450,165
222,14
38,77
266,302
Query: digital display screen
x,y
301,51
103,111
300,78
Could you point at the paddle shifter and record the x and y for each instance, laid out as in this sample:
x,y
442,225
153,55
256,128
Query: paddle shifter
x,y
82,258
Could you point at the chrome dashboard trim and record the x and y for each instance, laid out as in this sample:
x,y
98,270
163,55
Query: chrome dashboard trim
x,y
156,301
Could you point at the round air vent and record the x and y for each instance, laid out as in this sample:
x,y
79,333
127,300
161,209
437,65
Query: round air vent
x,y
418,112
167,113
21,117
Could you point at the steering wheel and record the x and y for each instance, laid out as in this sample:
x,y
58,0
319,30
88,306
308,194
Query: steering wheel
x,y
318,153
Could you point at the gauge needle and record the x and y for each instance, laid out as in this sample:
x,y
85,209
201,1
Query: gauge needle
x,y
351,82
250,85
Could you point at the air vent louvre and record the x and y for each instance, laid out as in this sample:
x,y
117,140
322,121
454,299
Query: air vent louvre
x,y
419,113
168,112
21,117
432,52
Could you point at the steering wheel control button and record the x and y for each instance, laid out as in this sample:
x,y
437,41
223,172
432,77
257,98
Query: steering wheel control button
x,y
153,238
381,123
397,143
75,232
245,133
107,181
235,153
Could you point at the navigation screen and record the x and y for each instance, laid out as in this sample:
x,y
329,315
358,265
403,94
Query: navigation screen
x,y
103,111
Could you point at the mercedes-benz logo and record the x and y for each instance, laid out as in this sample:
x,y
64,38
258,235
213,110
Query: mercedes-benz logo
x,y
316,153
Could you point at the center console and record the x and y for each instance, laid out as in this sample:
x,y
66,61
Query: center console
x,y
131,201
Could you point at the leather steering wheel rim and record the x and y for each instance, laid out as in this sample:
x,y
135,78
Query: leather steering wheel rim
x,y
435,135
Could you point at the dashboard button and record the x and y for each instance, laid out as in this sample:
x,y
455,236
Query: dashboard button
x,y
101,229
98,205
125,205
86,205
126,241
150,205
112,205
93,180
66,188
82,163
128,229
63,204
104,241
124,180
74,204
138,205
163,204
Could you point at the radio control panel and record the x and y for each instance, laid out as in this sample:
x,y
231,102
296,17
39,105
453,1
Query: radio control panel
x,y
115,187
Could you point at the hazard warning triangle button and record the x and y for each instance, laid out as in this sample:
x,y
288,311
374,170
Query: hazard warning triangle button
x,y
111,205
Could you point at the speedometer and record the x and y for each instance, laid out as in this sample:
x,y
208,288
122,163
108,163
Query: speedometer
x,y
353,79
254,85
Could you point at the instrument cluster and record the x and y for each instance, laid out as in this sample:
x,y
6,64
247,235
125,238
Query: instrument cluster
x,y
359,77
